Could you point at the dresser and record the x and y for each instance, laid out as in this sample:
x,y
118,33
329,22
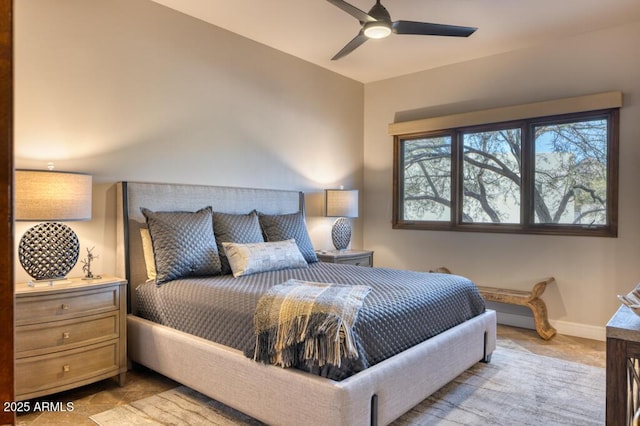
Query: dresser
x,y
69,334
623,367
349,257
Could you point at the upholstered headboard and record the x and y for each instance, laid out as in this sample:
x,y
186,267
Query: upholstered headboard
x,y
180,197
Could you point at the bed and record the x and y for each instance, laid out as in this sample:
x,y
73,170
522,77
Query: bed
x,y
376,390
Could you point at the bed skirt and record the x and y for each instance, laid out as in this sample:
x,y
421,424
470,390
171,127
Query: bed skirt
x,y
286,396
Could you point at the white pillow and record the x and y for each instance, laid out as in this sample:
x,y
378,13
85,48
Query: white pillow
x,y
149,259
246,259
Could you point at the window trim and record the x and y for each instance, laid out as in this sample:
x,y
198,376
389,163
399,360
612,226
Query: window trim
x,y
595,102
527,223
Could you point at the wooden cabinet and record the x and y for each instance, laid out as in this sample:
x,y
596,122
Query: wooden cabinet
x,y
69,334
623,367
350,257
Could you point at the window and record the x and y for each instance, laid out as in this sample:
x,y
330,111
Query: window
x,y
427,178
550,175
491,175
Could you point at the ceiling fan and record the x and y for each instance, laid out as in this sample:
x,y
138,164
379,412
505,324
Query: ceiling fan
x,y
377,24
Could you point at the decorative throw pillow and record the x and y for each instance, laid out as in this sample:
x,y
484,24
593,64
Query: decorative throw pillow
x,y
235,228
183,244
147,250
246,259
289,226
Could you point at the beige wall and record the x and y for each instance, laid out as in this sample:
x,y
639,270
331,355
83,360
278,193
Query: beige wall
x,y
589,271
131,90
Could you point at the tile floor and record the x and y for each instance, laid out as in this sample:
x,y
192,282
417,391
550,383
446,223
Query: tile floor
x,y
104,395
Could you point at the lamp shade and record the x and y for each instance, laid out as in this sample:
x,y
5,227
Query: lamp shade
x,y
341,202
52,196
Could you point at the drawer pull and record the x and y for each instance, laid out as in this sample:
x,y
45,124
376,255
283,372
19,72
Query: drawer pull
x,y
65,335
65,307
66,368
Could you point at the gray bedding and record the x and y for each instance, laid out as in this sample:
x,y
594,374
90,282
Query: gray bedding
x,y
403,309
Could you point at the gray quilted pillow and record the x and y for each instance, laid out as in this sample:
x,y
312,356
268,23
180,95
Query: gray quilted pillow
x,y
287,226
235,228
183,244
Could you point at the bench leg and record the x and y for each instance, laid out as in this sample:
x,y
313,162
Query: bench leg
x,y
540,319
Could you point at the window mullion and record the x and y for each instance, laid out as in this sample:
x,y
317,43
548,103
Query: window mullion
x,y
527,179
613,146
456,178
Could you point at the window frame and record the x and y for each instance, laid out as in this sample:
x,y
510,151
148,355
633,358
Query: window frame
x,y
527,223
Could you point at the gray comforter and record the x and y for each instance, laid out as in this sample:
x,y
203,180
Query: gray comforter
x,y
403,309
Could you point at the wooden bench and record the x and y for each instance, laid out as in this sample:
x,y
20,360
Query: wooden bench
x,y
530,299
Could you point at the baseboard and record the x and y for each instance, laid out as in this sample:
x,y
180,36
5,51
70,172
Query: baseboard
x,y
580,330
562,327
514,320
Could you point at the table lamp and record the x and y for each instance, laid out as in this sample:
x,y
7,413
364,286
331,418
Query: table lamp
x,y
49,250
343,204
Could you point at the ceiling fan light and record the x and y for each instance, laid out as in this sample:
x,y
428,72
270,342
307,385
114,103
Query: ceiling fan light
x,y
377,30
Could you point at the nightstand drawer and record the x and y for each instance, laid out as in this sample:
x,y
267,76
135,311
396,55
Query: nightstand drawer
x,y
43,308
35,374
360,261
62,335
347,257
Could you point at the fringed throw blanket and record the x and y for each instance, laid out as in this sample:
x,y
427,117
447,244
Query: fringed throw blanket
x,y
311,319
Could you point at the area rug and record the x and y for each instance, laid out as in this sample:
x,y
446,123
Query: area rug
x,y
515,388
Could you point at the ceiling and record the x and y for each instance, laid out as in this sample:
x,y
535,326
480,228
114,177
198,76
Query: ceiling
x,y
315,30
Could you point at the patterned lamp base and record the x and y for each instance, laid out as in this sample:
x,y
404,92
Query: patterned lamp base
x,y
341,233
48,251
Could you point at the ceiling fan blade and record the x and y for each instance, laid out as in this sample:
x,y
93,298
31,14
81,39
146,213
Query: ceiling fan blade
x,y
351,46
352,10
426,28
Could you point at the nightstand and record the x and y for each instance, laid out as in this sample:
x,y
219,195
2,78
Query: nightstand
x,y
69,334
349,257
